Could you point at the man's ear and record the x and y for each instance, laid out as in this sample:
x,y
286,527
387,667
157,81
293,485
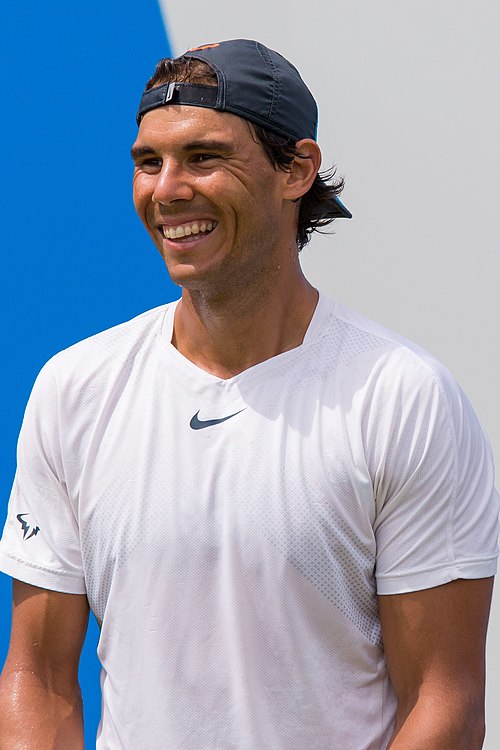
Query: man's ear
x,y
303,170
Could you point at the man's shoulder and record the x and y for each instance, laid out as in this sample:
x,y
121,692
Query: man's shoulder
x,y
374,348
110,348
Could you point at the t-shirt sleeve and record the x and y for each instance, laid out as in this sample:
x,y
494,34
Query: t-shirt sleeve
x,y
40,543
436,505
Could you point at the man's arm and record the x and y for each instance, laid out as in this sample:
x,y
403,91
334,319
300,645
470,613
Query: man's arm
x,y
40,700
435,649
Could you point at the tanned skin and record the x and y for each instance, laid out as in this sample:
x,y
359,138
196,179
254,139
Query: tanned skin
x,y
40,700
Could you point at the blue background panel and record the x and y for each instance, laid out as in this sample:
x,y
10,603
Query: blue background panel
x,y
75,258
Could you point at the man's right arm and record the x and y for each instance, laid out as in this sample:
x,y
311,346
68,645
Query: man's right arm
x,y
40,700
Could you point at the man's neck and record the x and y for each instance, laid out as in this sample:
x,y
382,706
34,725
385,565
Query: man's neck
x,y
226,336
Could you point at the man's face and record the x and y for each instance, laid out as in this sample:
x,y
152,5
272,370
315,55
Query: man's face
x,y
209,197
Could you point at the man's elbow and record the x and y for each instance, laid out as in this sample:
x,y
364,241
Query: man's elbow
x,y
475,726
444,721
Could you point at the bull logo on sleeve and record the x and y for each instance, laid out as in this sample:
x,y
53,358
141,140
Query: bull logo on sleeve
x,y
28,531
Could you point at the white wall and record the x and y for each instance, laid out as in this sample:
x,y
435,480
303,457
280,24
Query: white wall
x,y
409,110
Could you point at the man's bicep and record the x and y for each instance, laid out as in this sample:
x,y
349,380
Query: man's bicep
x,y
435,648
48,631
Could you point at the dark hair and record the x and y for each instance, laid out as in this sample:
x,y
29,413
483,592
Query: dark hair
x,y
318,207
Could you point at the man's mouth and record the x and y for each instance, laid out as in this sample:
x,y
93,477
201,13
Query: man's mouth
x,y
192,230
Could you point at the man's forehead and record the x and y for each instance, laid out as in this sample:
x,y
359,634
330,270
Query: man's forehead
x,y
178,120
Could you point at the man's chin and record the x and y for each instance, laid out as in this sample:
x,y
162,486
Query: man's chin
x,y
192,279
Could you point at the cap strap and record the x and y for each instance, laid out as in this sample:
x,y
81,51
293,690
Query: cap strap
x,y
177,93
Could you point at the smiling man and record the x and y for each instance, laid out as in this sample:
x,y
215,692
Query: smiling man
x,y
282,514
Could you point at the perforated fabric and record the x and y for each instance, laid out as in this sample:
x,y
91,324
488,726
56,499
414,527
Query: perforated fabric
x,y
235,567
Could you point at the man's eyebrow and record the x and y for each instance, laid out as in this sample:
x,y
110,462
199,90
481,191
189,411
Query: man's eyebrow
x,y
137,151
202,145
209,145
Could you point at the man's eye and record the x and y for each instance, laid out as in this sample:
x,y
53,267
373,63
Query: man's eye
x,y
200,158
150,164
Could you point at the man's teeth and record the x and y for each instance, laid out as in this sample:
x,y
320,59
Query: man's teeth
x,y
173,233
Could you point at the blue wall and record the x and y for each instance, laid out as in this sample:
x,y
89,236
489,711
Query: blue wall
x,y
75,258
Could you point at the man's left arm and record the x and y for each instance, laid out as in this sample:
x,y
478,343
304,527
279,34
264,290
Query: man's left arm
x,y
434,643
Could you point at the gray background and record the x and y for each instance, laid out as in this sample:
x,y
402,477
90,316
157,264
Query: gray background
x,y
408,95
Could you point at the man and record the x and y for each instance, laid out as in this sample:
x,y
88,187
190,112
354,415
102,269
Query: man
x,y
282,515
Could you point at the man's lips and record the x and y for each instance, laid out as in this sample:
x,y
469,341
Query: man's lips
x,y
188,229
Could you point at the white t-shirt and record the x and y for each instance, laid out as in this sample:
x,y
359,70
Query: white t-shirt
x,y
232,535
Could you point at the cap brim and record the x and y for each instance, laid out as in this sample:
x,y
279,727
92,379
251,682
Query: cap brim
x,y
342,211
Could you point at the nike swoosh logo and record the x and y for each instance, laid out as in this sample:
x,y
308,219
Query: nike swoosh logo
x,y
200,424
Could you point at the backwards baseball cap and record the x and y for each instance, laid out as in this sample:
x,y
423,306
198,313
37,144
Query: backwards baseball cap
x,y
253,82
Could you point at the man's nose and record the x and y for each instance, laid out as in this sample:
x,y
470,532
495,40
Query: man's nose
x,y
173,184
